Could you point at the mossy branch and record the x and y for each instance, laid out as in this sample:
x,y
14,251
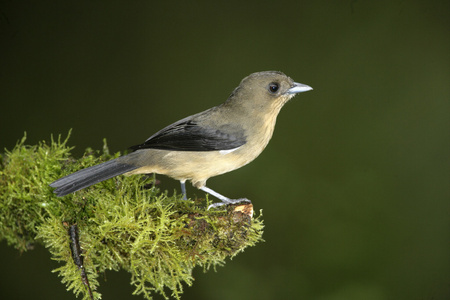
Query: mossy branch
x,y
124,223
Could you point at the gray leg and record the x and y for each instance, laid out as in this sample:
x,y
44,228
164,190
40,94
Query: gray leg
x,y
225,200
183,189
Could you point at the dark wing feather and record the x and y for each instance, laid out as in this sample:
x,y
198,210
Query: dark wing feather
x,y
187,135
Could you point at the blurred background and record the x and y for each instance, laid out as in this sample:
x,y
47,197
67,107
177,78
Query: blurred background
x,y
355,184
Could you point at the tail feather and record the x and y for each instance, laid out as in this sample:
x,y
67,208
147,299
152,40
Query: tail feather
x,y
89,176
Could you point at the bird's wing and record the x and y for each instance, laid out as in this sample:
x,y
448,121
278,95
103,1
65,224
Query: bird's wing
x,y
188,135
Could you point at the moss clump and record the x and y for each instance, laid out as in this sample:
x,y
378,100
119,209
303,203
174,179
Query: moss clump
x,y
124,223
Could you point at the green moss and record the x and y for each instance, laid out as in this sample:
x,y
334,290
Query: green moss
x,y
124,223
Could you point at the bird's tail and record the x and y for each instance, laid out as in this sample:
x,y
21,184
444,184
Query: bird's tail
x,y
89,176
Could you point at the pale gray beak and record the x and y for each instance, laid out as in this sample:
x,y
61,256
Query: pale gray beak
x,y
299,88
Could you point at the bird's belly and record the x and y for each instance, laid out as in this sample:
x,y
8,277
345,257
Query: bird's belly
x,y
194,166
201,166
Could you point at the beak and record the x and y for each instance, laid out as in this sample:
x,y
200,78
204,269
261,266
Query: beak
x,y
298,88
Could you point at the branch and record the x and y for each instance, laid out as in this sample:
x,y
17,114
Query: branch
x,y
123,223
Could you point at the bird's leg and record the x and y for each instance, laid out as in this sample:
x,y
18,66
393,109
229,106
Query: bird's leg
x,y
183,189
225,200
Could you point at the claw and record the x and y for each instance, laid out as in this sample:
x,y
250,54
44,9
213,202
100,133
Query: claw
x,y
228,202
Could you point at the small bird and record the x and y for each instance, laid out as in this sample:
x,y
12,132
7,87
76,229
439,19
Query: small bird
x,y
215,141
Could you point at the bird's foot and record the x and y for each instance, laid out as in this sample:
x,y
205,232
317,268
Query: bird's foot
x,y
229,201
183,189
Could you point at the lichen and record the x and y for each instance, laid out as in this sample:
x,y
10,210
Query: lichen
x,y
124,223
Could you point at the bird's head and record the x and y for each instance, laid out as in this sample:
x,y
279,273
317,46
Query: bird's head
x,y
266,91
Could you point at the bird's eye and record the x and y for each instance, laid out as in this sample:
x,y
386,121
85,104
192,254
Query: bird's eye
x,y
273,87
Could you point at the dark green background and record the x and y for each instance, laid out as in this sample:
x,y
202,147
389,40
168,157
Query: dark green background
x,y
354,185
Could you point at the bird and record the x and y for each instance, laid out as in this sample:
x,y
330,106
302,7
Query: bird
x,y
213,142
